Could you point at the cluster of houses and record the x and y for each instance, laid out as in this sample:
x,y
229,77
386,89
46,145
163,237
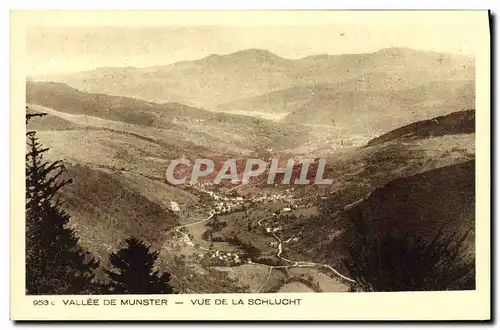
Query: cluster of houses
x,y
223,205
174,206
274,229
266,198
229,258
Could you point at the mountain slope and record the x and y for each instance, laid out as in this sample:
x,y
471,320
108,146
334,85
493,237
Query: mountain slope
x,y
64,98
292,99
460,122
190,129
105,211
422,204
380,111
395,159
282,101
419,205
219,79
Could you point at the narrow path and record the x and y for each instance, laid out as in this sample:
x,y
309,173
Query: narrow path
x,y
188,239
298,264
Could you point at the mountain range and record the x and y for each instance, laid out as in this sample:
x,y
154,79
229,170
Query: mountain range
x,y
219,79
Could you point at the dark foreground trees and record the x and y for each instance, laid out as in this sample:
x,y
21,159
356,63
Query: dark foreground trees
x,y
402,262
54,262
133,271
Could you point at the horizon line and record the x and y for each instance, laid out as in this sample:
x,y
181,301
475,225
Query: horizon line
x,y
253,49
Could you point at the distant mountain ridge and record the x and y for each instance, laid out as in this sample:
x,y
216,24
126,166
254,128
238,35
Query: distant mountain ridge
x,y
266,55
218,79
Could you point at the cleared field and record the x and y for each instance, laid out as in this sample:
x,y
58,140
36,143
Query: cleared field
x,y
253,276
295,287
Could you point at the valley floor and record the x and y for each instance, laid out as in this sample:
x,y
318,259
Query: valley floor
x,y
289,276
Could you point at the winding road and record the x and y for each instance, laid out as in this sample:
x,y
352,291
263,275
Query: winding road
x,y
294,264
188,239
298,264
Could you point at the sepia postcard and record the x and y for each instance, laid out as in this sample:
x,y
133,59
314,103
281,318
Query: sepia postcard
x,y
260,165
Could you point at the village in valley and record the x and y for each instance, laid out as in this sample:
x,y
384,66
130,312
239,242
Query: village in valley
x,y
228,202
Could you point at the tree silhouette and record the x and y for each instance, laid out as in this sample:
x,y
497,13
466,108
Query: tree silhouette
x,y
54,262
33,115
133,271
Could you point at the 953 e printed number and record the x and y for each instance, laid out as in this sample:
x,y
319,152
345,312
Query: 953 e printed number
x,y
43,302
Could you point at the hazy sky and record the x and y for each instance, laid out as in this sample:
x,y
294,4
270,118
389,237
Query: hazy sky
x,y
64,49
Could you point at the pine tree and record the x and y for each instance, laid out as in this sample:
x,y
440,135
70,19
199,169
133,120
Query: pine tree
x,y
54,262
133,271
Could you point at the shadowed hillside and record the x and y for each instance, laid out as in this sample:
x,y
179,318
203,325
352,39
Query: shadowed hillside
x,y
423,203
105,211
461,122
419,206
